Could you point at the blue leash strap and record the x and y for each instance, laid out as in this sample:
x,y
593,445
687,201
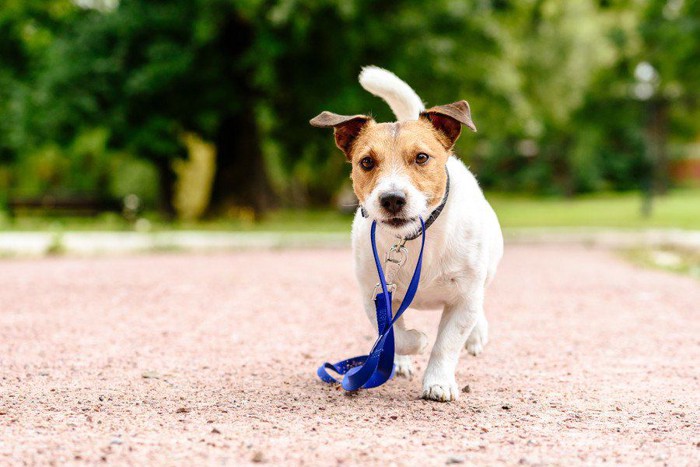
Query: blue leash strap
x,y
376,368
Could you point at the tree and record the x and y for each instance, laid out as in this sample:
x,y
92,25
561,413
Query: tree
x,y
27,29
551,84
150,72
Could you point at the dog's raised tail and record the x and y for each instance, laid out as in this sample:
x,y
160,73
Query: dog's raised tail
x,y
403,100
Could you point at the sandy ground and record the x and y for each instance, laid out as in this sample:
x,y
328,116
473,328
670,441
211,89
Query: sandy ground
x,y
210,360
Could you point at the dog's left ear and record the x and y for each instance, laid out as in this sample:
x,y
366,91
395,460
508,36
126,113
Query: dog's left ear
x,y
448,120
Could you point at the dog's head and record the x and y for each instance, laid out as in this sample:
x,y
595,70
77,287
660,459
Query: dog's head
x,y
398,169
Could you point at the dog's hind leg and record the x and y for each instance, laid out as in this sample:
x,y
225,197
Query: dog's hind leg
x,y
479,336
403,366
408,341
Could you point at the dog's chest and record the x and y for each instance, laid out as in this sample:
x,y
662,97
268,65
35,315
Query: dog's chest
x,y
442,282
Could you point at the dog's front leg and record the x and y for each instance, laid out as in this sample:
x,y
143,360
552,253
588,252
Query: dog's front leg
x,y
457,322
408,341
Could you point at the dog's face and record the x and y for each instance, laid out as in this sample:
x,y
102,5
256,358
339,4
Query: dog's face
x,y
398,169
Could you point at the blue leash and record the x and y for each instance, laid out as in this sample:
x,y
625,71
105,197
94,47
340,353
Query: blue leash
x,y
375,369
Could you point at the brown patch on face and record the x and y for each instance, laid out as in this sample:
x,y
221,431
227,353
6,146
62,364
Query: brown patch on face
x,y
377,149
393,148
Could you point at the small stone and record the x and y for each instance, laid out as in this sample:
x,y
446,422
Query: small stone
x,y
466,389
150,374
258,457
182,410
506,406
215,431
3,411
116,441
454,460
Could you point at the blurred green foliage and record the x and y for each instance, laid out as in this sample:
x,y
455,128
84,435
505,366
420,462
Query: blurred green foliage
x,y
569,97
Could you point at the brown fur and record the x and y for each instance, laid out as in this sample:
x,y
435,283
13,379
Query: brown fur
x,y
394,146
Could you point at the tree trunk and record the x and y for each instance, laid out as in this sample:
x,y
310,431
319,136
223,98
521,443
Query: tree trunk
x,y
657,138
241,177
166,181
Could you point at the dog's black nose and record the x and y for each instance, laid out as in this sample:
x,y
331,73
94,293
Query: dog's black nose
x,y
393,201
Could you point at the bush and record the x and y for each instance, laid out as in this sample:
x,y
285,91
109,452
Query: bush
x,y
86,168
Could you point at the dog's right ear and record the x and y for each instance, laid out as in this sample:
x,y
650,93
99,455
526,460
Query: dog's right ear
x,y
345,127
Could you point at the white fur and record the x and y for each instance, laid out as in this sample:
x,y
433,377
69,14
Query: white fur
x,y
403,100
462,250
416,202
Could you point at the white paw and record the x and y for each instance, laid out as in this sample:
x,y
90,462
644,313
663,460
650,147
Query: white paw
x,y
410,342
439,382
403,366
441,392
478,338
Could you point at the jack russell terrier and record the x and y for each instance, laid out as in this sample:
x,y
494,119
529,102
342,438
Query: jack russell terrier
x,y
405,170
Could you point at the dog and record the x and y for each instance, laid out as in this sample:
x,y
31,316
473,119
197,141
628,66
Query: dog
x,y
403,171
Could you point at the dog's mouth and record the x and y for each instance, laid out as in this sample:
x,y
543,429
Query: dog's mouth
x,y
398,221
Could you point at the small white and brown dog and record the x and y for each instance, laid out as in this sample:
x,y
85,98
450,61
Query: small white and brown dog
x,y
404,170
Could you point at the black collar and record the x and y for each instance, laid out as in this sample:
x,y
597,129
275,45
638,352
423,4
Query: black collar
x,y
433,215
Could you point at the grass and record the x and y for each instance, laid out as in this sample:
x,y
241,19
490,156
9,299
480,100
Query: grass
x,y
278,221
679,209
668,258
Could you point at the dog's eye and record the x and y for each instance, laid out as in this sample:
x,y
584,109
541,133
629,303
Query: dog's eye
x,y
367,163
422,158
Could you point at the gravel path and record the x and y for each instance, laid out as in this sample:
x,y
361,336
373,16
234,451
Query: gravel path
x,y
210,360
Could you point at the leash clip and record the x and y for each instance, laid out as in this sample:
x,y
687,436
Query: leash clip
x,y
394,259
390,287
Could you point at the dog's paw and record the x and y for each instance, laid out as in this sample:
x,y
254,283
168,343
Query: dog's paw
x,y
478,338
439,386
410,342
441,392
403,366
